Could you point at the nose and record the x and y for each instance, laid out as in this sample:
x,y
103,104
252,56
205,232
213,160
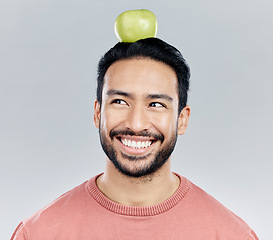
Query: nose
x,y
137,119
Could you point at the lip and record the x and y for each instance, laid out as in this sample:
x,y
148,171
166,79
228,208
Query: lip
x,y
135,151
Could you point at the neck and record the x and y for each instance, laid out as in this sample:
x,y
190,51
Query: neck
x,y
144,191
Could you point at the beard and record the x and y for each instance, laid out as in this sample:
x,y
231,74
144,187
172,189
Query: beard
x,y
143,168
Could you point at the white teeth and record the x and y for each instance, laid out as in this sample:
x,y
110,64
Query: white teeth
x,y
134,144
143,144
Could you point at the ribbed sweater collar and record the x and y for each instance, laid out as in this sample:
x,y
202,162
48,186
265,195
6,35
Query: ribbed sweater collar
x,y
138,211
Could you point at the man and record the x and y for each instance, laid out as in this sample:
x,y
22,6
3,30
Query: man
x,y
140,109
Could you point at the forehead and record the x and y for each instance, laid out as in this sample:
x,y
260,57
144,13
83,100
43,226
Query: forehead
x,y
141,75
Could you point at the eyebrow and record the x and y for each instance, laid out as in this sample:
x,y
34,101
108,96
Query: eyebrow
x,y
118,92
112,92
158,96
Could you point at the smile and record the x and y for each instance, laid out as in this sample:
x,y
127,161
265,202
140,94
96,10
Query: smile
x,y
135,144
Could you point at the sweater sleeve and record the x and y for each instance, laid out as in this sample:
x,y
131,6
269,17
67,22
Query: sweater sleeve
x,y
252,236
19,233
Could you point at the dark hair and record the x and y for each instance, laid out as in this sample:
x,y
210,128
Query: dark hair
x,y
152,48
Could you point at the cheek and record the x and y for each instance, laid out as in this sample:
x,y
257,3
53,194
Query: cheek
x,y
166,124
110,120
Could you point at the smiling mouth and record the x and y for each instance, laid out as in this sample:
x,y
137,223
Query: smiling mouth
x,y
136,144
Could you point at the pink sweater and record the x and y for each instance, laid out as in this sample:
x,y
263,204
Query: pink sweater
x,y
84,213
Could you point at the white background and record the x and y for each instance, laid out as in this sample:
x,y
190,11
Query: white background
x,y
48,57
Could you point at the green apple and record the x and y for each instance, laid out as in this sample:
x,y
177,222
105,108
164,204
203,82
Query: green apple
x,y
133,25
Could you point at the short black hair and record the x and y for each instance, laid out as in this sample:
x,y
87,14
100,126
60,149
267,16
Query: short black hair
x,y
153,48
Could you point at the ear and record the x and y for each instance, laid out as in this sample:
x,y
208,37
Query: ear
x,y
183,120
97,113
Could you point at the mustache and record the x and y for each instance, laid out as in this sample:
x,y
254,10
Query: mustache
x,y
143,133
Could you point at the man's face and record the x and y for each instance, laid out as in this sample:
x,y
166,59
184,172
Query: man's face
x,y
138,118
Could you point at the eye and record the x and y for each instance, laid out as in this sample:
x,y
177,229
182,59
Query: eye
x,y
157,105
119,101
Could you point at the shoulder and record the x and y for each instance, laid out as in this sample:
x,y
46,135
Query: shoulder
x,y
216,216
56,214
76,194
208,205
